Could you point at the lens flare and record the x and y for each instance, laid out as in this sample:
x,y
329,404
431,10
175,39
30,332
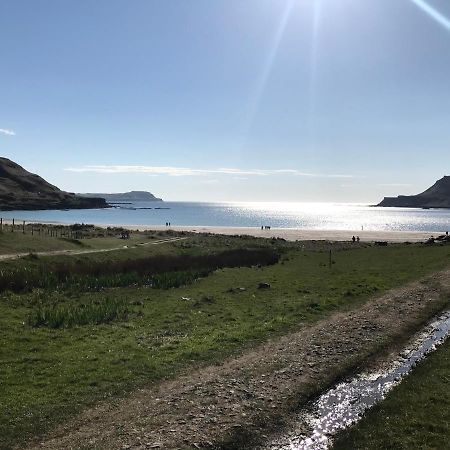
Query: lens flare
x,y
268,65
314,58
433,13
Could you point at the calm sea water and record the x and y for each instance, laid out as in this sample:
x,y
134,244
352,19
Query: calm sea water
x,y
319,216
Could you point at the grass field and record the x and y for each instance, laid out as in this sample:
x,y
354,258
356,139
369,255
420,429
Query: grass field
x,y
63,238
49,373
415,415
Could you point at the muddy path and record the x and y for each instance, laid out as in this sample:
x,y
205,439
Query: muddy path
x,y
251,395
12,256
317,425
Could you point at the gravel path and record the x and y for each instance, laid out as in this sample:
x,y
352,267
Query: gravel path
x,y
248,392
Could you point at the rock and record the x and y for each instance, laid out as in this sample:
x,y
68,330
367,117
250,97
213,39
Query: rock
x,y
437,196
263,286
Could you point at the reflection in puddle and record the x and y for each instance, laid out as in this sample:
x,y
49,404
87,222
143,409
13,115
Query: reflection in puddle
x,y
344,404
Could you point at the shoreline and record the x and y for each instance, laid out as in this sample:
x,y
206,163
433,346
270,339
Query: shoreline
x,y
297,234
289,234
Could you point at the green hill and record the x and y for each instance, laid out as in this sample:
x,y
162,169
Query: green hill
x,y
22,190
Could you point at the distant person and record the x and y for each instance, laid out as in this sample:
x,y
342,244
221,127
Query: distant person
x,y
353,239
357,238
262,228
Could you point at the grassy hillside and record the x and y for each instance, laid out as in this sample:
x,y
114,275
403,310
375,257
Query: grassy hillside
x,y
22,190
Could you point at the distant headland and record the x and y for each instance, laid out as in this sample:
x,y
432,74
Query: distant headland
x,y
133,196
437,196
22,190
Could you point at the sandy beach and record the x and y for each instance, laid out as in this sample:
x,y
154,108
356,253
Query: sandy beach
x,y
290,234
294,234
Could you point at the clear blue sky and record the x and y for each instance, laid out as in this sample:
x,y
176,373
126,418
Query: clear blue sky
x,y
293,100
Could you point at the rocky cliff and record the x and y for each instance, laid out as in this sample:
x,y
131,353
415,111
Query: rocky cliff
x,y
437,196
22,190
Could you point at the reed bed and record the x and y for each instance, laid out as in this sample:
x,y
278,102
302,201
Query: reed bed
x,y
162,271
68,315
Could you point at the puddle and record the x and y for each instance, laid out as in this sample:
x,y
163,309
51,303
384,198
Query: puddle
x,y
344,404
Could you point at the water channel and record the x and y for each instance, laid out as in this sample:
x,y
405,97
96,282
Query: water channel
x,y
345,403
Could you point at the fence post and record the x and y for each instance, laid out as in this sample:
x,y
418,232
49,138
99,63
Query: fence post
x,y
23,227
12,228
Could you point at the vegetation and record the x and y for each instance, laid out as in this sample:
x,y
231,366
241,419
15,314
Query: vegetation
x,y
63,349
87,274
416,414
43,238
67,315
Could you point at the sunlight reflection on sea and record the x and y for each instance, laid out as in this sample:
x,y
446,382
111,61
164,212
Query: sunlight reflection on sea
x,y
313,216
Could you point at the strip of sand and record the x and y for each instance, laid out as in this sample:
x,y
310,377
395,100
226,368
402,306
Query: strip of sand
x,y
290,234
295,234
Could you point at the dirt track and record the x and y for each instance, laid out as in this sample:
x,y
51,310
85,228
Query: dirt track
x,y
249,392
88,251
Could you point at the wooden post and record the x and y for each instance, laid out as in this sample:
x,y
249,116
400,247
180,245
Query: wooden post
x,y
12,228
329,261
23,227
1,223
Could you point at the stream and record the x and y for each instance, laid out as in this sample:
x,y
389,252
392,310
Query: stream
x,y
345,403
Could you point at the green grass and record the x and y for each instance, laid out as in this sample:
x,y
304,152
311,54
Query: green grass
x,y
17,242
11,243
92,238
415,415
68,315
49,374
161,271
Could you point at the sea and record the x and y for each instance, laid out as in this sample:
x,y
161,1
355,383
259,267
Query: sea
x,y
311,216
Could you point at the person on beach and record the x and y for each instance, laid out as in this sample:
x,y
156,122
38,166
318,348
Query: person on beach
x,y
353,239
357,238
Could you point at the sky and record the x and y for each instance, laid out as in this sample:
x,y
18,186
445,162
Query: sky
x,y
228,100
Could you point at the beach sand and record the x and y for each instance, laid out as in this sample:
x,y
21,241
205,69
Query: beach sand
x,y
294,234
290,234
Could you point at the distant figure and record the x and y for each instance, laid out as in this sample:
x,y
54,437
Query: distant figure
x,y
446,233
353,238
357,238
169,224
262,228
